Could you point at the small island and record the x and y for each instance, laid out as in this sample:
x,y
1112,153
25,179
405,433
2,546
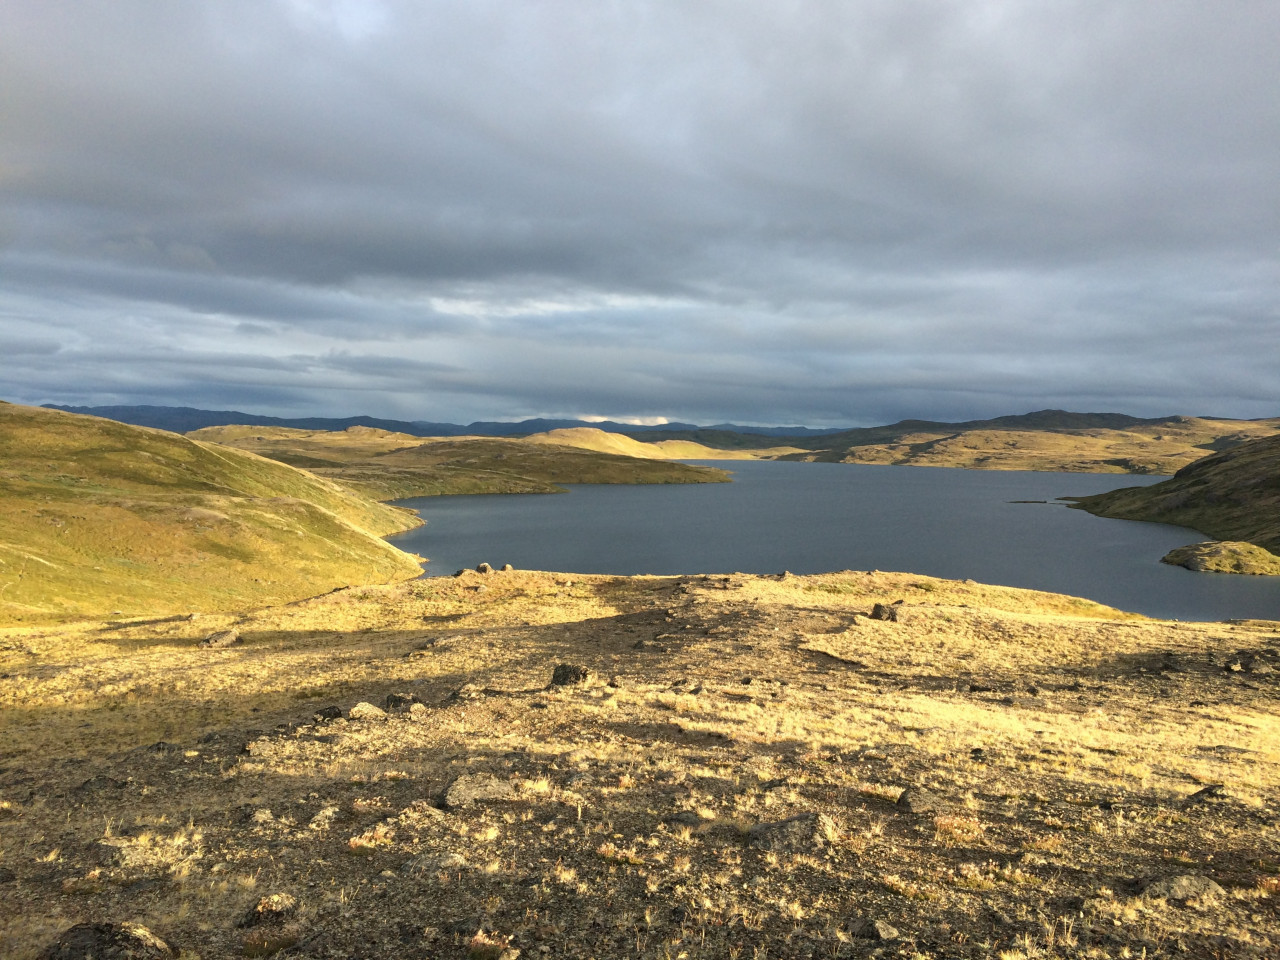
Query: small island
x,y
1229,556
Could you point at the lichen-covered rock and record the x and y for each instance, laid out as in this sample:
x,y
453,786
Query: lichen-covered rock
x,y
1189,886
366,711
916,800
473,788
571,675
221,639
803,833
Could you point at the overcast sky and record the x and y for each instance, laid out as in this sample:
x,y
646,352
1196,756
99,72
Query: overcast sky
x,y
779,212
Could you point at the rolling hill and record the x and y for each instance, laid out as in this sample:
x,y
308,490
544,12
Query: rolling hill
x,y
1232,495
388,466
99,517
1045,440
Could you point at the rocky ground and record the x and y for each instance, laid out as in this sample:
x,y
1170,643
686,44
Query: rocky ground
x,y
523,764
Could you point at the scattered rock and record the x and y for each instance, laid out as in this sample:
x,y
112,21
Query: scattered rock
x,y
425,864
275,908
327,713
1204,793
108,941
366,711
803,833
472,788
160,748
571,675
917,800
99,784
418,711
221,639
400,702
468,691
1188,886
484,568
866,929
886,612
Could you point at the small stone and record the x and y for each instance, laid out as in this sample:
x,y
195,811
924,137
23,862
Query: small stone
x,y
327,713
100,783
803,833
426,864
400,702
366,711
472,788
887,612
867,929
108,941
468,691
1189,886
571,675
916,800
507,568
221,639
484,568
418,711
1204,793
274,908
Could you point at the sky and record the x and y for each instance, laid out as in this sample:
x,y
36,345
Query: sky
x,y
781,212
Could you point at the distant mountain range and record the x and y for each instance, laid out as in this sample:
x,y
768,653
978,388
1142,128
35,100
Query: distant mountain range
x,y
186,419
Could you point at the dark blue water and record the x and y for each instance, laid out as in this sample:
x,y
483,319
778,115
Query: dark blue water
x,y
817,517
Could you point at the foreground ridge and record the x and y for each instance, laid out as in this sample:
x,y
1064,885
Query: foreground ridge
x,y
535,764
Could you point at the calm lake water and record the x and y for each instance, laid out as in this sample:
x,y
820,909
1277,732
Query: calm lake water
x,y
818,517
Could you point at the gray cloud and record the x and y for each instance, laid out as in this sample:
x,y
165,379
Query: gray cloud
x,y
811,213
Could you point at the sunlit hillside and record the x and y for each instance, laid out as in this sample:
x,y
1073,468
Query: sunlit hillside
x,y
389,466
98,517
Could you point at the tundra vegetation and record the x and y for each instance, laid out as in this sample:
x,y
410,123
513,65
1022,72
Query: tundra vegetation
x,y
538,764
99,517
390,466
510,764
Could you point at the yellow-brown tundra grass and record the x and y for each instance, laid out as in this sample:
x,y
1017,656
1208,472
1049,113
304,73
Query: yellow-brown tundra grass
x,y
1060,756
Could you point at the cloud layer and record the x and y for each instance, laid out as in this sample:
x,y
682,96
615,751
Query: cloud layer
x,y
780,213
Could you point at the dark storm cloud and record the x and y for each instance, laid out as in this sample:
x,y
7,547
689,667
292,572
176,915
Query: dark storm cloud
x,y
802,213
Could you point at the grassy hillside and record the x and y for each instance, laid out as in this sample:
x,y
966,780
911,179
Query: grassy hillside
x,y
1233,495
1047,440
749,767
591,438
97,516
389,466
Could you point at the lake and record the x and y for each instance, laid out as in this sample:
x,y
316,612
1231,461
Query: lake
x,y
820,517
